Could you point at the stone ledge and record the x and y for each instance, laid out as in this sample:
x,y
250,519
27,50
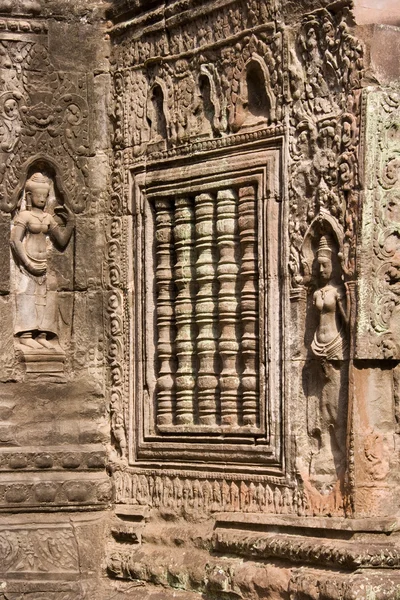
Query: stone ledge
x,y
373,525
355,554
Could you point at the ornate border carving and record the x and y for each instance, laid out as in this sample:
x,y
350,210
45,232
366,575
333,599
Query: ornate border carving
x,y
295,548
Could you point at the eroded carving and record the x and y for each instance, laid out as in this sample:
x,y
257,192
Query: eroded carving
x,y
377,332
39,550
36,301
36,310
326,372
306,549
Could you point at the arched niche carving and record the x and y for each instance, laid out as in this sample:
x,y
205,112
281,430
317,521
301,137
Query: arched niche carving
x,y
256,104
48,166
157,112
43,225
209,112
322,224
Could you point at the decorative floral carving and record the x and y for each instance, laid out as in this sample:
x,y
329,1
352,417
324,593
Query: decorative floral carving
x,y
378,331
43,113
38,550
325,77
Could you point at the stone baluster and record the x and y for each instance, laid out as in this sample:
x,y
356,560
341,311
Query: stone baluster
x,y
205,308
249,303
184,309
165,312
227,271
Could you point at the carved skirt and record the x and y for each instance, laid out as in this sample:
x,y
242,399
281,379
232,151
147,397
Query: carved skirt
x,y
36,305
336,349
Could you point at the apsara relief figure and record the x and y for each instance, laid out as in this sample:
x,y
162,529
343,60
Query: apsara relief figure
x,y
326,371
330,301
36,287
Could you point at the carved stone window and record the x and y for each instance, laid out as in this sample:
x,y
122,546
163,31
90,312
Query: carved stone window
x,y
207,344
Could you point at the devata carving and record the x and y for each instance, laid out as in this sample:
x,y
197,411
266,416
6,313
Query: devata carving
x,y
36,327
325,372
329,338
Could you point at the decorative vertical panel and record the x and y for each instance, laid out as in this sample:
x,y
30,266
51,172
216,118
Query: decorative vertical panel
x,y
227,271
206,317
165,312
378,323
184,309
249,303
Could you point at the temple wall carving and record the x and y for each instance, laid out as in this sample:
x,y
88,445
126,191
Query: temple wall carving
x,y
199,379
53,169
238,160
241,143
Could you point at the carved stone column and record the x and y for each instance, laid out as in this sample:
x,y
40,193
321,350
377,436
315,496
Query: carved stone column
x,y
165,312
249,303
227,271
207,381
184,309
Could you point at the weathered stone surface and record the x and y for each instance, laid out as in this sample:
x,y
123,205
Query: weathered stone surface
x,y
199,337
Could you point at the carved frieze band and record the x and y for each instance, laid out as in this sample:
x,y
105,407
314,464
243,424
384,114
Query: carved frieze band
x,y
23,27
181,493
52,460
35,490
307,549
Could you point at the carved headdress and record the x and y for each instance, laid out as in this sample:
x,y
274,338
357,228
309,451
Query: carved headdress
x,y
325,246
37,181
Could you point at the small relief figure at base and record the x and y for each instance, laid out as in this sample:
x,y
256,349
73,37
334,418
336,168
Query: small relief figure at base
x,y
327,369
36,287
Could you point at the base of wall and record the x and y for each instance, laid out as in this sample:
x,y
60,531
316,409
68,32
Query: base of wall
x,y
245,557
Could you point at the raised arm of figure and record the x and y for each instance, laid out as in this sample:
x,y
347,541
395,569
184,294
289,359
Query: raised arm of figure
x,y
62,235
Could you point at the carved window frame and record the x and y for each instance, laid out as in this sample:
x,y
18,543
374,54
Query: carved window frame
x,y
257,163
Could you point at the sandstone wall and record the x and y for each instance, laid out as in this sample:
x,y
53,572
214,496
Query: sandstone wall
x,y
54,420
199,296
